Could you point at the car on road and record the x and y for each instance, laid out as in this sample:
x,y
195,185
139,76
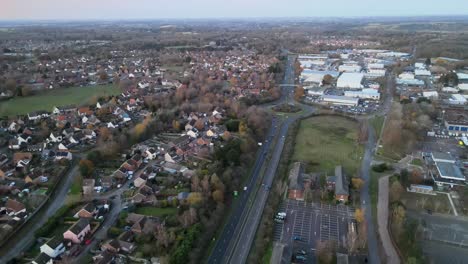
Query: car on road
x,y
300,257
301,252
245,188
88,241
297,238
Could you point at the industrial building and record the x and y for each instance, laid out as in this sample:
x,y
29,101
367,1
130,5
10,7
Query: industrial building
x,y
350,80
457,99
340,100
364,94
456,121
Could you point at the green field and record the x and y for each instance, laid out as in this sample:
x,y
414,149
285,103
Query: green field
x,y
47,100
155,211
324,142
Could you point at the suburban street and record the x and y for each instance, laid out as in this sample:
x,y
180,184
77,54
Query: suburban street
x,y
24,238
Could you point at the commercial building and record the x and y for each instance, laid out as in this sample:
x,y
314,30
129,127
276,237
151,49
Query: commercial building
x,y
350,80
456,121
457,99
340,100
350,68
446,172
364,94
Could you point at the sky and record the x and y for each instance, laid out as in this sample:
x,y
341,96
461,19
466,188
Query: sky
x,y
161,9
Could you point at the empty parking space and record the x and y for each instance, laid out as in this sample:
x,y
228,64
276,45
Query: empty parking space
x,y
312,222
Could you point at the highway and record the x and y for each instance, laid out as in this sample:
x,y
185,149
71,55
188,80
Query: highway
x,y
235,241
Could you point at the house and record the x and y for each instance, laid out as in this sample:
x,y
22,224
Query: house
x,y
14,207
296,186
42,258
116,246
63,155
151,153
22,159
138,182
77,232
106,182
88,186
54,247
105,257
87,211
341,185
54,138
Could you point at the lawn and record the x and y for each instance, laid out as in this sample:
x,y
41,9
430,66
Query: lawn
x,y
76,185
49,99
324,142
155,211
417,162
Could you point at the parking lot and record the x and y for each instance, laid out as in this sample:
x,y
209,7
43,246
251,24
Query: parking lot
x,y
445,237
307,223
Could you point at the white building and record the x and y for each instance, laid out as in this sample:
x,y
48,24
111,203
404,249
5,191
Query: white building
x,y
340,100
457,99
422,72
364,94
315,90
350,68
350,80
450,90
431,94
53,247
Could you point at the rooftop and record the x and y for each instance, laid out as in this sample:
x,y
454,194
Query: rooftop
x,y
449,171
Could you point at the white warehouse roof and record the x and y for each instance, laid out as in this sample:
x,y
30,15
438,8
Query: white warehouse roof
x,y
350,80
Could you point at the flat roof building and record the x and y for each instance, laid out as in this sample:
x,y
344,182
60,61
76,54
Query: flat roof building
x,y
350,80
340,100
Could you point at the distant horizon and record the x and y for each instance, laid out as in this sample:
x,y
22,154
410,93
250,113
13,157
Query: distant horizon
x,y
104,10
441,16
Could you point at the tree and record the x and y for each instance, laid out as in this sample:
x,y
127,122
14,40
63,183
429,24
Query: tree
x,y
26,91
416,177
195,198
327,79
86,167
359,215
299,92
357,183
218,196
10,84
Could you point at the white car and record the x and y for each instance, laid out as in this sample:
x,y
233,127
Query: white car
x,y
245,188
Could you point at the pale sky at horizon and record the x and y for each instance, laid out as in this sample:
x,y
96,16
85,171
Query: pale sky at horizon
x,y
160,9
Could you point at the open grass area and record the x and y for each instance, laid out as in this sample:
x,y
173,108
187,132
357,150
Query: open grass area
x,y
47,100
155,211
417,162
324,142
421,202
267,257
76,185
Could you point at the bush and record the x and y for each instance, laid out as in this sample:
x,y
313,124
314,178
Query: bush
x,y
382,167
181,253
114,232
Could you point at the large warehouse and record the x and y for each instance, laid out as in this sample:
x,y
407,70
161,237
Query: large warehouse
x,y
350,80
340,100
